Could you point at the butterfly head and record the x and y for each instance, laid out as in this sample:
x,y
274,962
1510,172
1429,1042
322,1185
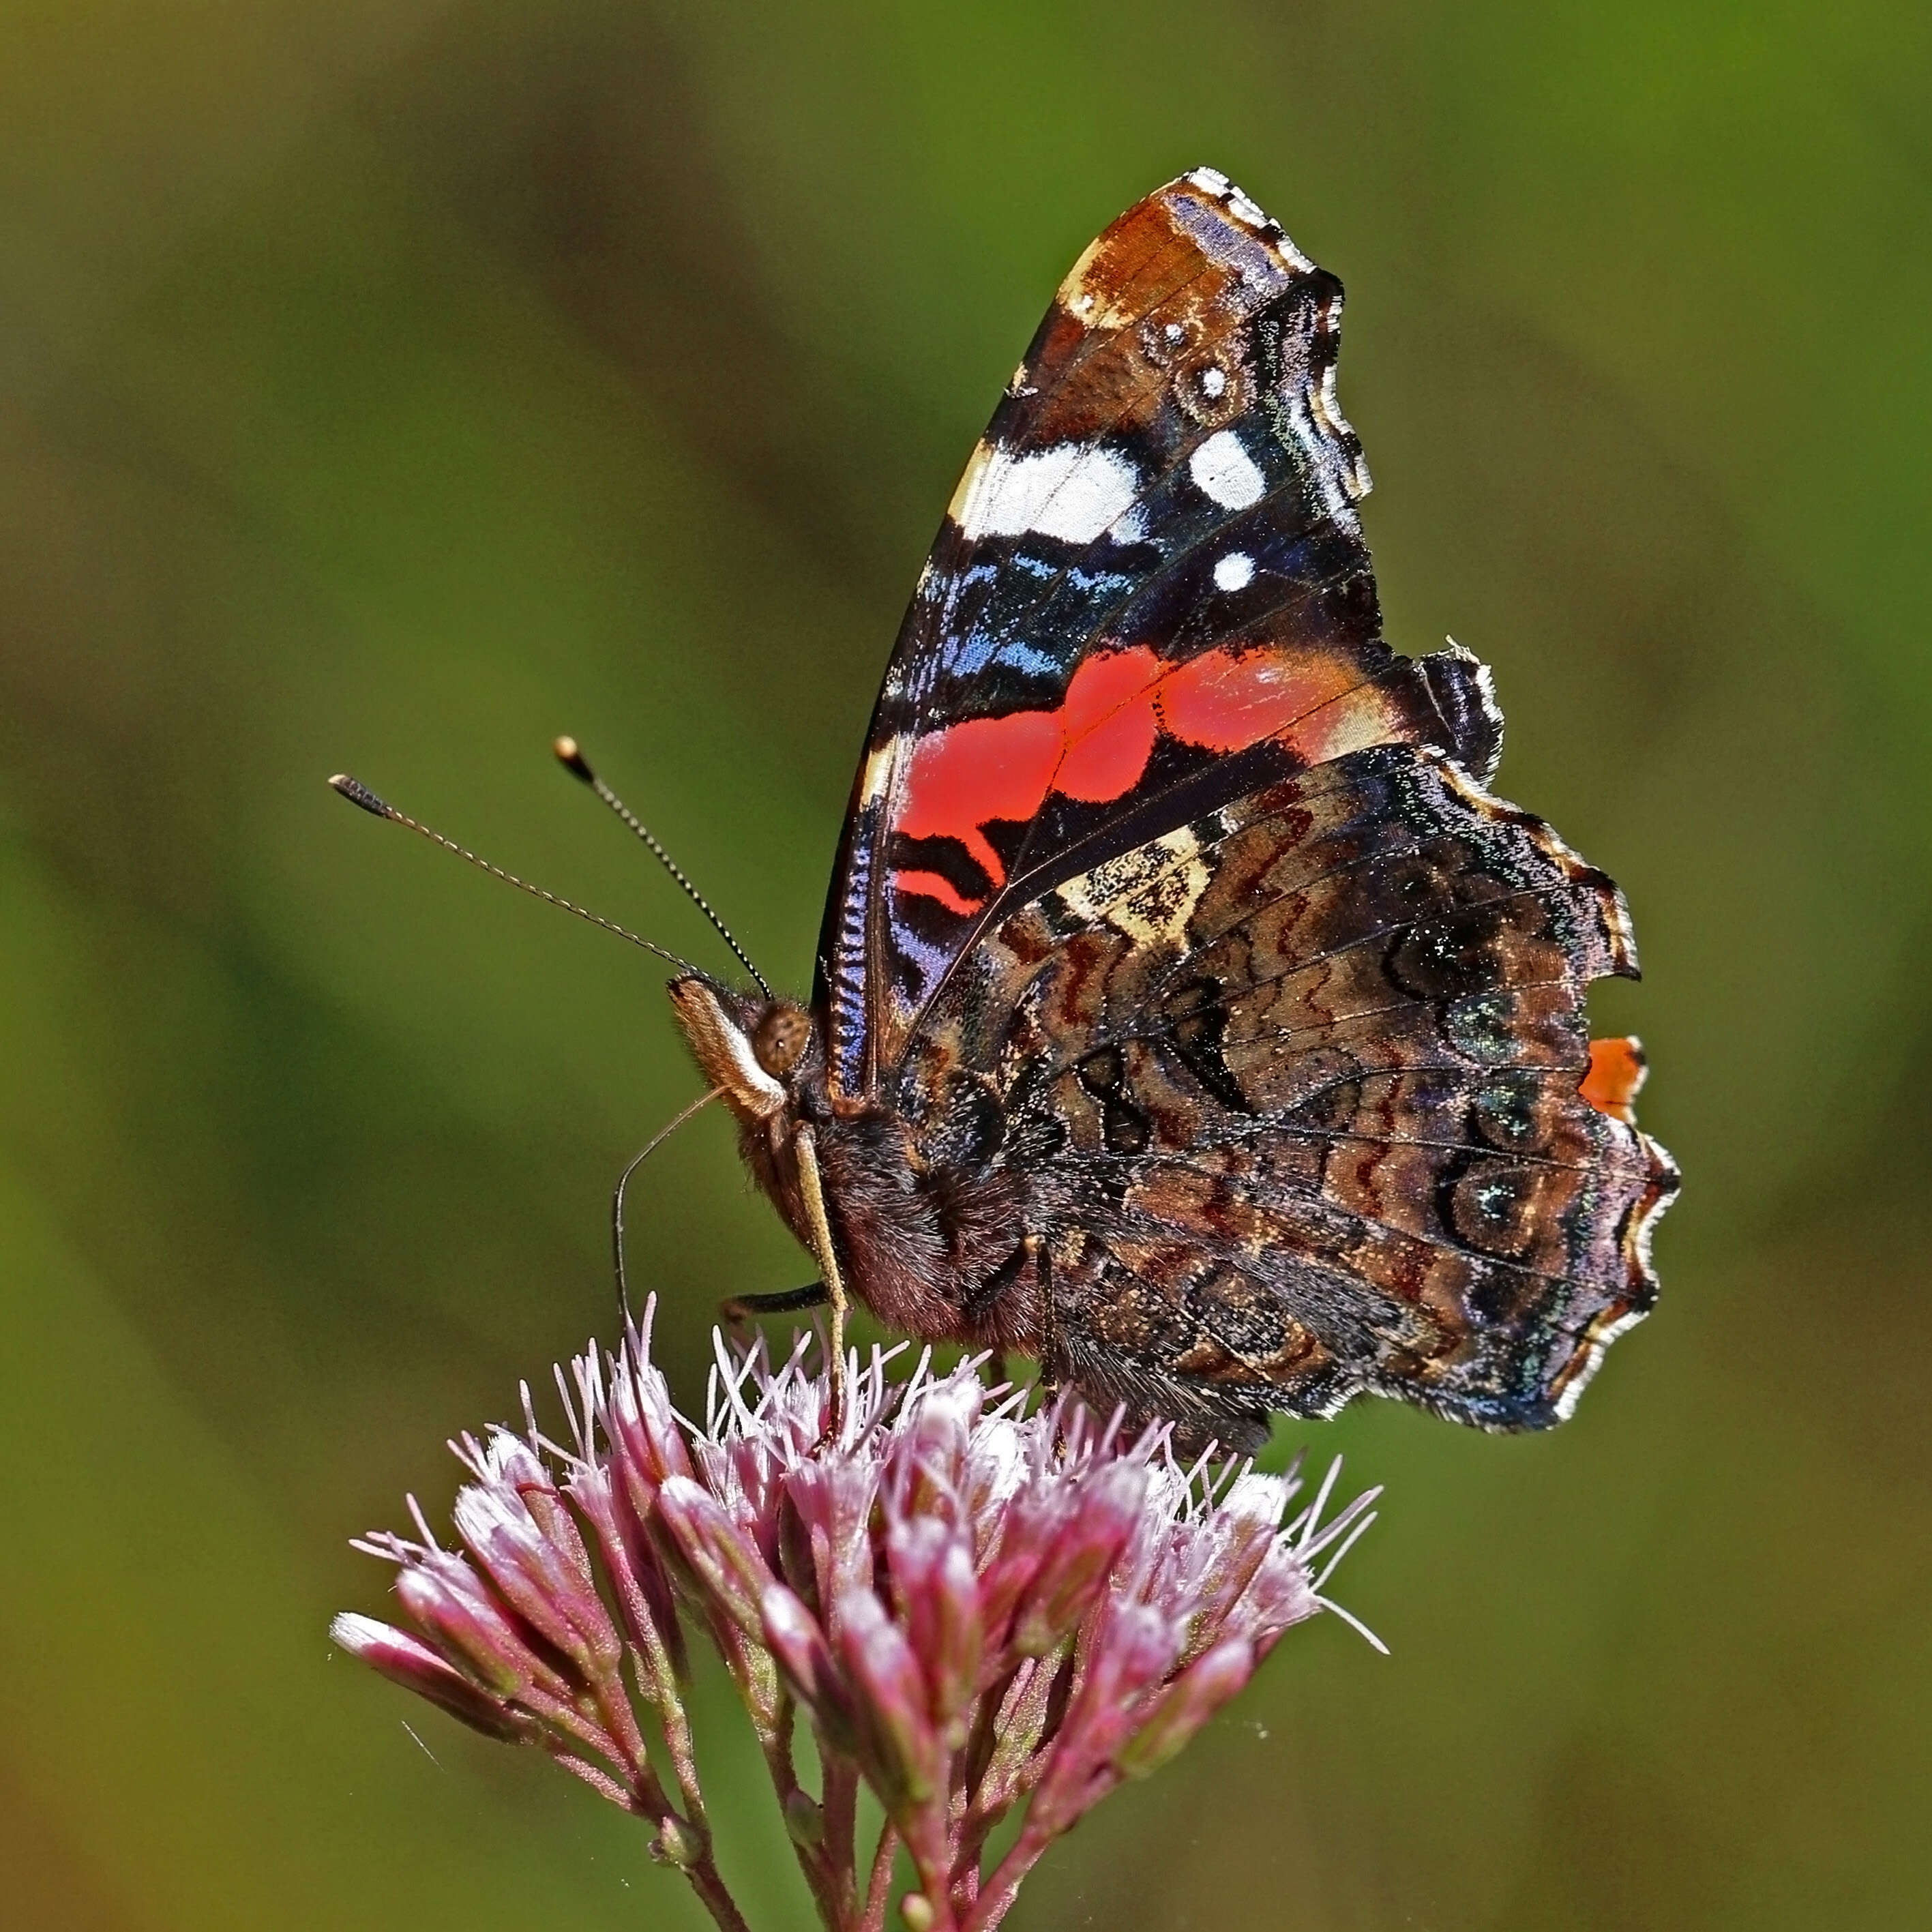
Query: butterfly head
x,y
749,1047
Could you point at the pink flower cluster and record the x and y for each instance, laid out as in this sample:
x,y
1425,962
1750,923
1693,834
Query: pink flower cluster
x,y
975,1609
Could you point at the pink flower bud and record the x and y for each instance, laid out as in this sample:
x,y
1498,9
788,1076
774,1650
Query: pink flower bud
x,y
1186,1704
938,1596
797,1644
403,1660
450,1603
644,1432
643,1590
547,1582
897,1745
1075,1571
833,1498
1135,1646
1280,1596
728,1565
929,1454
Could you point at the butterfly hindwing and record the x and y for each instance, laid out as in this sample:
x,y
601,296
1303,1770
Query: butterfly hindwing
x,y
1295,1087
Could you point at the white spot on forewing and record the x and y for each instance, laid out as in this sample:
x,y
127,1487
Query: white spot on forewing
x,y
1223,470
1074,490
1213,380
1234,572
1212,179
878,769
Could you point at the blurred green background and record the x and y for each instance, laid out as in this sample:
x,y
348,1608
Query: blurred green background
x,y
392,384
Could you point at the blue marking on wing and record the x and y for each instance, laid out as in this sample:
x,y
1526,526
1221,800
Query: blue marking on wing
x,y
1010,626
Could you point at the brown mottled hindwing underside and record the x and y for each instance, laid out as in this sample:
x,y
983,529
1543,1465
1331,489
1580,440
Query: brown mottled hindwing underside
x,y
1292,1090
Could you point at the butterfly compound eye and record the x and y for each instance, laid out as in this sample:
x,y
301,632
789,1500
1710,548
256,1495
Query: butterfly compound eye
x,y
780,1039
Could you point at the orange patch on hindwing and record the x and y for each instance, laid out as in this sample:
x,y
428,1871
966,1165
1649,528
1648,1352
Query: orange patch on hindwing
x,y
1618,1069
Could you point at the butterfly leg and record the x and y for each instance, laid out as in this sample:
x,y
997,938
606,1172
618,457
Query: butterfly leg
x,y
978,1300
1049,1337
786,1301
738,1309
805,1148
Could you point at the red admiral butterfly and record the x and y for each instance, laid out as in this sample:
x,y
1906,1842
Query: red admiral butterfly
x,y
1189,1014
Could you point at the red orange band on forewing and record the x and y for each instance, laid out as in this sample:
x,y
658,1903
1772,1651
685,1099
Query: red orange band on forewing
x,y
1226,701
963,778
1095,747
936,886
1108,722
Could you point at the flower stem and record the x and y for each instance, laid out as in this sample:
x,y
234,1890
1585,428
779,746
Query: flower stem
x,y
709,1886
675,1723
831,1884
878,1889
996,1900
839,1781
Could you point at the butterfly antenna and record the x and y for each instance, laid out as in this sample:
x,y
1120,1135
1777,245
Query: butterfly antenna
x,y
570,757
357,793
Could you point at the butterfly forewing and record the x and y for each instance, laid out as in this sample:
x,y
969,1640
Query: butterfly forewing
x,y
1152,562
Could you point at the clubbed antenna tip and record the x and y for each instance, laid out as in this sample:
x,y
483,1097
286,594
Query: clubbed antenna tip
x,y
570,755
357,793
571,758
